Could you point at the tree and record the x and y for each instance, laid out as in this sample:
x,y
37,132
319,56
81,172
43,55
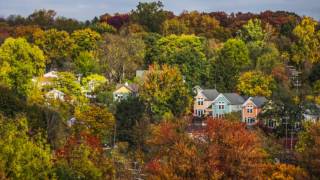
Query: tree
x,y
164,91
269,59
252,31
26,32
255,83
23,157
67,83
56,45
224,150
95,120
85,40
129,115
306,49
174,26
231,60
83,157
19,63
174,155
308,148
121,57
93,82
151,15
286,171
185,51
200,24
43,18
86,63
67,24
103,28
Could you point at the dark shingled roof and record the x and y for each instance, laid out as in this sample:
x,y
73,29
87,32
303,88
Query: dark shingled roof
x,y
259,100
211,94
234,98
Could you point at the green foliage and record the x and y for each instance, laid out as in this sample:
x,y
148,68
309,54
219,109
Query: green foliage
x,y
23,157
85,63
93,82
56,45
255,83
121,57
70,86
252,31
129,115
19,63
231,60
103,28
268,60
164,91
307,46
185,51
95,120
85,40
174,26
151,15
308,146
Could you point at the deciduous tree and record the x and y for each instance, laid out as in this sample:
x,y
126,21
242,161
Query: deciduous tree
x,y
231,60
19,63
164,91
255,83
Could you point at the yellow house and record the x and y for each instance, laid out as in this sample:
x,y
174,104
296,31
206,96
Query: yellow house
x,y
124,90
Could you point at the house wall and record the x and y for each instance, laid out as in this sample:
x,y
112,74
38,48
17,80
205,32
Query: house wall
x,y
235,108
123,91
204,107
215,107
254,114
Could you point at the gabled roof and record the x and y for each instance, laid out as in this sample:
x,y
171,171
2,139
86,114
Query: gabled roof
x,y
132,87
234,98
210,94
259,100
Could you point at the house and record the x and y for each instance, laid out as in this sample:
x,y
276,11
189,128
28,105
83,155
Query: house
x,y
311,112
123,91
55,94
46,79
251,109
226,103
203,100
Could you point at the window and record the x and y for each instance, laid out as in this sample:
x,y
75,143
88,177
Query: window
x,y
250,120
249,109
271,123
200,101
221,105
199,112
219,115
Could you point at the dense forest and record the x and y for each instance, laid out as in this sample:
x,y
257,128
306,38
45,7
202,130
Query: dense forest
x,y
59,118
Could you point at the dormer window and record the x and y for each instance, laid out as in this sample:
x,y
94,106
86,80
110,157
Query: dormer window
x,y
200,101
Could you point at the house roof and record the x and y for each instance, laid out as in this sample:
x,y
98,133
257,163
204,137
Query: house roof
x,y
259,100
211,94
51,74
132,87
234,98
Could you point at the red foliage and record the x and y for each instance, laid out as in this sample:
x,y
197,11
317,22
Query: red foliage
x,y
117,20
84,138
